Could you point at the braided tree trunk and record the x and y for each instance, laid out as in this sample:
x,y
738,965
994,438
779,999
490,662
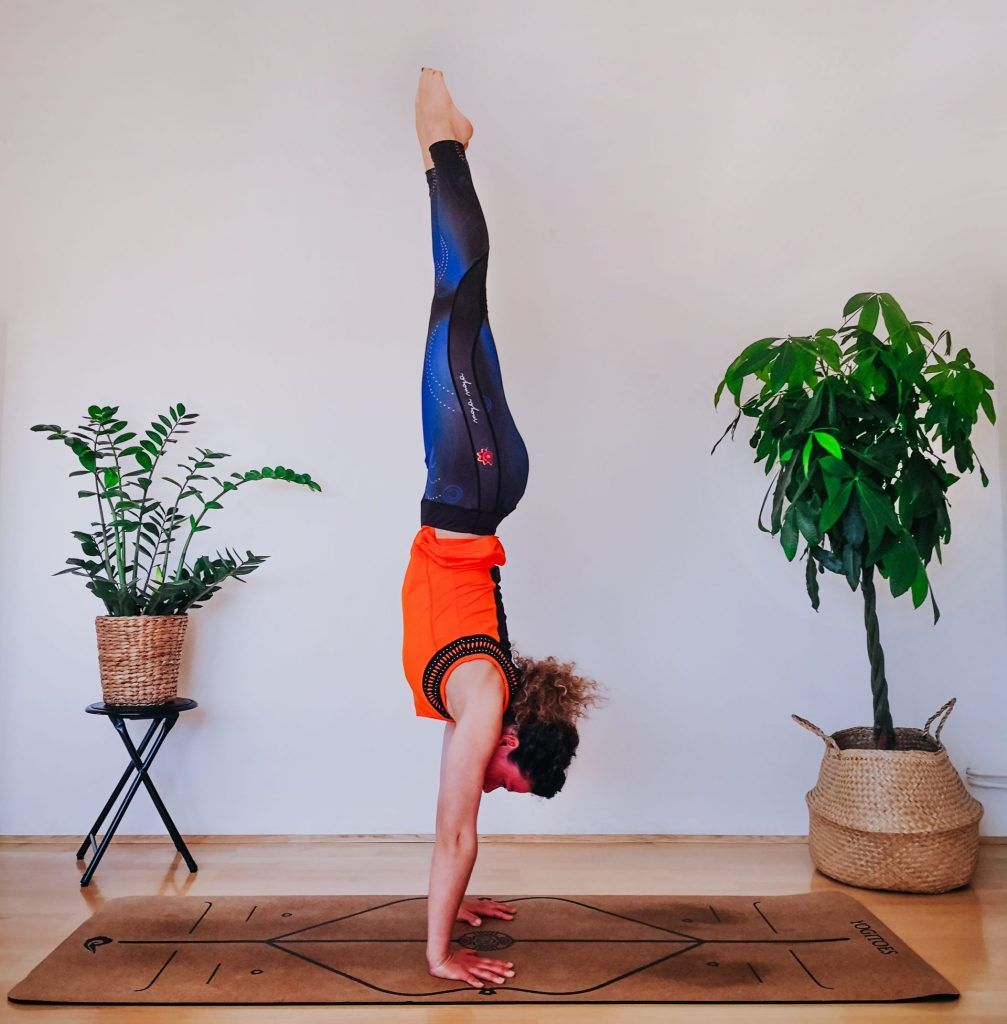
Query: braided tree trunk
x,y
884,730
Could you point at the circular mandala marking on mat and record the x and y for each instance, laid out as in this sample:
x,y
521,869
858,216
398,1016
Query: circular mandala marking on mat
x,y
452,494
484,941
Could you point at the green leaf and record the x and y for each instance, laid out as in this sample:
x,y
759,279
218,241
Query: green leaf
x,y
900,331
806,453
789,534
853,524
811,580
869,315
986,401
902,563
852,564
829,443
879,512
811,411
920,587
835,467
144,460
807,521
856,302
834,507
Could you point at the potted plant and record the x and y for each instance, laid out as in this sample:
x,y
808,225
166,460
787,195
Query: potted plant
x,y
136,554
860,425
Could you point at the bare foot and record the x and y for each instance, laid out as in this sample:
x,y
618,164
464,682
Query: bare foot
x,y
436,115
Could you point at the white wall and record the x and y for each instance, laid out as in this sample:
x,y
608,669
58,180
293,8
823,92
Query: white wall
x,y
223,204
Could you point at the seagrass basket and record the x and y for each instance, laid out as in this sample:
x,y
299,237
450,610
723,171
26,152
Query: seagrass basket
x,y
892,819
138,657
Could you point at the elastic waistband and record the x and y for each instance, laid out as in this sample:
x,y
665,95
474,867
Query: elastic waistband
x,y
454,517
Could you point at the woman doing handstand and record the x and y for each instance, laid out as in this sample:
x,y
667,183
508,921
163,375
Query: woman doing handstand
x,y
510,719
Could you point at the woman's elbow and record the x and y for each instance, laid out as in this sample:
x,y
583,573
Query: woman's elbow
x,y
460,837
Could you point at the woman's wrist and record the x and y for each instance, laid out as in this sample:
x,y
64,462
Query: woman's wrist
x,y
435,961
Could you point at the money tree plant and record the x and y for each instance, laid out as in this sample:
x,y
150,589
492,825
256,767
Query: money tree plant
x,y
866,430
136,552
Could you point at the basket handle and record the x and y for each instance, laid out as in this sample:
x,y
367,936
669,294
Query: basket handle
x,y
811,727
945,710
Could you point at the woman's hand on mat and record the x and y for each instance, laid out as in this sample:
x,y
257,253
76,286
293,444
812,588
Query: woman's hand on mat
x,y
473,911
469,966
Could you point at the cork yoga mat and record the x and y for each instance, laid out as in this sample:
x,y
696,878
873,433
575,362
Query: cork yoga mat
x,y
811,947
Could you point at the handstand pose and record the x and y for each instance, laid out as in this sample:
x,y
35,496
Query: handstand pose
x,y
510,719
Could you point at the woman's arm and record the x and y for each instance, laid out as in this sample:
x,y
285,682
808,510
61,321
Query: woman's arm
x,y
475,704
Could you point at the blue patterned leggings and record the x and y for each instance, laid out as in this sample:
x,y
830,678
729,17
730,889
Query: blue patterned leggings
x,y
477,462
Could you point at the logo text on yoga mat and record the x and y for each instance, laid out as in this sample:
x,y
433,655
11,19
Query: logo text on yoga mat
x,y
874,938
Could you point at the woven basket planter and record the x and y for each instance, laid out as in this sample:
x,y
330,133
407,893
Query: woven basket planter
x,y
892,819
138,657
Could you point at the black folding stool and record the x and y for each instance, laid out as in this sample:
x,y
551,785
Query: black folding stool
x,y
162,717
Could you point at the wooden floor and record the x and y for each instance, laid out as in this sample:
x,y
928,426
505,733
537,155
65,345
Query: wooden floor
x,y
963,934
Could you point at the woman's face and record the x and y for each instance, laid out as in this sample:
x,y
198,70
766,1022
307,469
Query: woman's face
x,y
501,770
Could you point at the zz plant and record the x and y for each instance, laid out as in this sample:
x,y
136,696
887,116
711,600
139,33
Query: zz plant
x,y
136,552
860,425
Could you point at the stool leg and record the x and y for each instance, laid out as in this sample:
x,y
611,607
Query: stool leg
x,y
130,768
130,793
142,767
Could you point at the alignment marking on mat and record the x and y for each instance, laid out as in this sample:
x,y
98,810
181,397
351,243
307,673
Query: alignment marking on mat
x,y
758,977
209,903
763,916
716,916
360,981
158,975
346,917
600,910
252,911
687,942
217,968
806,971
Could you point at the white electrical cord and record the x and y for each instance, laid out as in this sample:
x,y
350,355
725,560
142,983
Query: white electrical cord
x,y
986,779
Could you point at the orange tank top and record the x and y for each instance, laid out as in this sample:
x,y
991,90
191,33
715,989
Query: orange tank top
x,y
452,612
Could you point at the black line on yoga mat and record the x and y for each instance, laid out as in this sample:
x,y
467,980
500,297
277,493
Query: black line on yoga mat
x,y
639,942
346,917
252,911
756,973
360,981
807,972
209,903
158,975
716,916
763,916
217,968
610,913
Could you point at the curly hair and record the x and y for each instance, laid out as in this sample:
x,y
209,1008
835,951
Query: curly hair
x,y
549,700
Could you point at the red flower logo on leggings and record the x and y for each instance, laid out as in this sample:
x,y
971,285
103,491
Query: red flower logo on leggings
x,y
485,456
